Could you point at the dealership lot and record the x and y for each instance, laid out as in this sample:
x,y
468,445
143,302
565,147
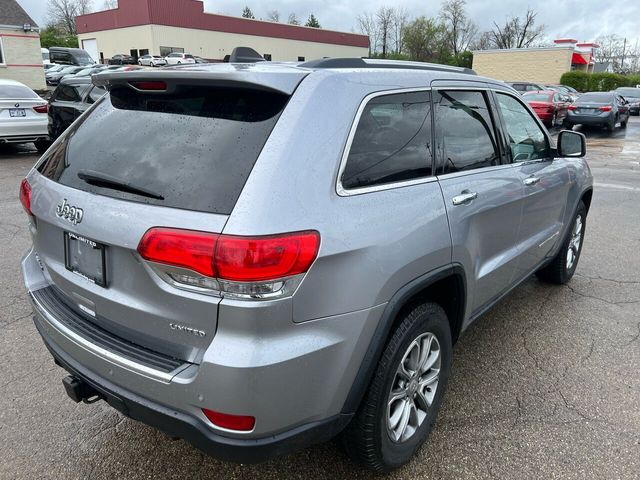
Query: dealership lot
x,y
545,385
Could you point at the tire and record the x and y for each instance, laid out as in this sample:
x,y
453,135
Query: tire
x,y
567,125
42,145
559,271
179,62
611,126
554,119
624,124
368,438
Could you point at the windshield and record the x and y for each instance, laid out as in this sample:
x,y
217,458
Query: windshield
x,y
16,91
200,145
595,98
537,97
629,92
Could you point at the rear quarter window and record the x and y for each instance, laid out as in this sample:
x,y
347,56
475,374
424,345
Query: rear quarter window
x,y
194,149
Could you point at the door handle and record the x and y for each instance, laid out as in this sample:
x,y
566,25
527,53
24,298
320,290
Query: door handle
x,y
531,181
465,198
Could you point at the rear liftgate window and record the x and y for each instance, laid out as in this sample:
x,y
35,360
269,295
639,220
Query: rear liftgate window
x,y
192,149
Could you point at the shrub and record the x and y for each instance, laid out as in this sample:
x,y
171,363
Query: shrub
x,y
598,82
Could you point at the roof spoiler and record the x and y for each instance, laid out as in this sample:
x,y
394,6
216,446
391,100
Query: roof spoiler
x,y
244,55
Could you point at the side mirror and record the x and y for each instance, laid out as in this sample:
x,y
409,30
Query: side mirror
x,y
571,144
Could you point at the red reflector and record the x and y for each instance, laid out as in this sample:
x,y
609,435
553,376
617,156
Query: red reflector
x,y
231,422
572,107
42,108
181,248
149,85
606,108
25,196
265,258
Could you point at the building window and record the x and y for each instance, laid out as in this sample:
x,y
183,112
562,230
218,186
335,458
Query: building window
x,y
301,59
164,51
267,57
2,59
144,51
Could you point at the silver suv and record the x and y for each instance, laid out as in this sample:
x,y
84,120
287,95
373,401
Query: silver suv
x,y
257,257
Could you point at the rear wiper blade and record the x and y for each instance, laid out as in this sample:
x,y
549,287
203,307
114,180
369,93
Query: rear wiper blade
x,y
106,181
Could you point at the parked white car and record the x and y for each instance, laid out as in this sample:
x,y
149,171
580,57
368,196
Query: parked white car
x,y
179,58
23,115
151,61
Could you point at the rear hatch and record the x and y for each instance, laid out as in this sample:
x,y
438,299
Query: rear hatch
x,y
143,157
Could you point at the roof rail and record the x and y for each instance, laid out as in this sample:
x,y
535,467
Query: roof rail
x,y
376,63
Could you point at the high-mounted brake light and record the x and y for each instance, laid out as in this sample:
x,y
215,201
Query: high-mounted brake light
x,y
606,108
241,423
25,196
245,267
42,108
149,85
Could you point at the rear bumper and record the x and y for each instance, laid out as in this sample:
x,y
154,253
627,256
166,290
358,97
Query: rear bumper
x,y
178,424
589,120
25,131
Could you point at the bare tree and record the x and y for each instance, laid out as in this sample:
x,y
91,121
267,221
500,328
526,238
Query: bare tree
x,y
293,19
368,25
399,22
273,15
64,12
247,13
482,42
384,18
517,32
461,30
110,4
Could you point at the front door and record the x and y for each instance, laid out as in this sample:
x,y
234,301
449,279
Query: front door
x,y
483,193
545,180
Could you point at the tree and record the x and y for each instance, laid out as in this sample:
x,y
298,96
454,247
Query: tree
x,y
293,19
273,15
399,22
63,13
425,41
312,22
517,32
110,4
247,13
461,30
384,20
52,36
368,26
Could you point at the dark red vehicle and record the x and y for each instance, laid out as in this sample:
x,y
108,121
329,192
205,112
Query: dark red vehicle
x,y
551,107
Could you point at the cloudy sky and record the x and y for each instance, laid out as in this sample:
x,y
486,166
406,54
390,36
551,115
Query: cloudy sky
x,y
580,19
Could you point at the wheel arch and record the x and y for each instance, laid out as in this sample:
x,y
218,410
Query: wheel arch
x,y
445,286
586,197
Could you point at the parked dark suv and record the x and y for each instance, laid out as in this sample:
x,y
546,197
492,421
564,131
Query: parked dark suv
x,y
70,56
292,250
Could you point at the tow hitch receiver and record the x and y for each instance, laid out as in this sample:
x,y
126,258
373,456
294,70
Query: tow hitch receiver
x,y
80,391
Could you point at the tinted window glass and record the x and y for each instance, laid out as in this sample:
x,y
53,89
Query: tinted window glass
x,y
527,141
392,142
595,98
464,129
95,94
16,91
200,144
67,93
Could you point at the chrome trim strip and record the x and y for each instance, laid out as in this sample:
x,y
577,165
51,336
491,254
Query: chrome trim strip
x,y
110,357
344,192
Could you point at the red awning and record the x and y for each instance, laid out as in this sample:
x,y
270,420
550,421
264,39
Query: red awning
x,y
578,59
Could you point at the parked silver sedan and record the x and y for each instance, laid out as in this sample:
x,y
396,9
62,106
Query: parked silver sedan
x,y
151,61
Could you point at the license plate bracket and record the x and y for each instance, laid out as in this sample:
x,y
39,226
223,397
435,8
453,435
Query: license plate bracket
x,y
17,112
86,258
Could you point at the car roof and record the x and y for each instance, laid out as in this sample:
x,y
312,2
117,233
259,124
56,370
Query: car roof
x,y
6,81
75,80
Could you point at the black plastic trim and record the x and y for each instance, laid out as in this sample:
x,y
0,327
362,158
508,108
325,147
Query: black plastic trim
x,y
178,424
379,339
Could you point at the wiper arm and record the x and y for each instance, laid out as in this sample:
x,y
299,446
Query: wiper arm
x,y
106,181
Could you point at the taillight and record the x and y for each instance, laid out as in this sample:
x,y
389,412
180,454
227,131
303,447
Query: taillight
x,y
242,423
149,85
245,267
606,108
572,107
42,108
25,196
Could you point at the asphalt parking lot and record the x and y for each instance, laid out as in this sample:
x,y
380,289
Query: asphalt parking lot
x,y
545,385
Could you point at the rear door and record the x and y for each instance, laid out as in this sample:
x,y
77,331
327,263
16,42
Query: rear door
x,y
143,159
483,194
545,181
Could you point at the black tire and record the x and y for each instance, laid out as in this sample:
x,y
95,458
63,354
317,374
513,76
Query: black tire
x,y
567,125
557,271
367,439
624,124
611,126
42,145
